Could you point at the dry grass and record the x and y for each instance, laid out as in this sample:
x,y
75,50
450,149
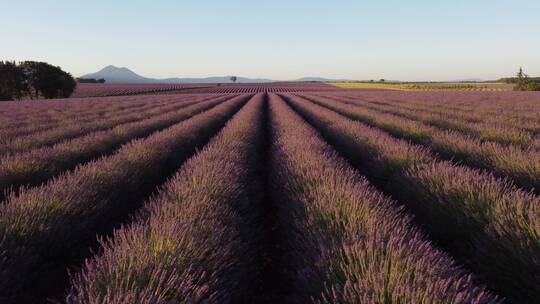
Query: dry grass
x,y
421,86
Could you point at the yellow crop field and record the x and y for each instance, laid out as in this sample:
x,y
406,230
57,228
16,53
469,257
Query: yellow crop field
x,y
441,86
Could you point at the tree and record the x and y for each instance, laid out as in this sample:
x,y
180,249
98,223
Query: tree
x,y
521,81
47,80
381,80
90,80
12,81
233,79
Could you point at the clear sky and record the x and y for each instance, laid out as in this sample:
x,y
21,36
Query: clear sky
x,y
403,40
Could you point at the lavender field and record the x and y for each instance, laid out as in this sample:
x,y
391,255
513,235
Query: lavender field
x,y
270,193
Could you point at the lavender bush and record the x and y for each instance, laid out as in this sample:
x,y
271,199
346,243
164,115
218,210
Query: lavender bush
x,y
349,243
37,225
193,242
485,222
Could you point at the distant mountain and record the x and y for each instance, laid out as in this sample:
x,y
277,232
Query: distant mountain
x,y
469,80
321,79
113,74
215,79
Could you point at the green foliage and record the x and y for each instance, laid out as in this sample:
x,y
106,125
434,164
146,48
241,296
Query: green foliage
x,y
34,79
90,80
47,80
233,78
521,81
513,80
12,81
534,86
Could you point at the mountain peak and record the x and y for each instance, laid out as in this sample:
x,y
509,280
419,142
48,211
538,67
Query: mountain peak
x,y
110,67
113,68
116,74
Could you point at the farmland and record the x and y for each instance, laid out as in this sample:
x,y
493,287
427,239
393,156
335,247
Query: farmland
x,y
101,90
427,86
270,193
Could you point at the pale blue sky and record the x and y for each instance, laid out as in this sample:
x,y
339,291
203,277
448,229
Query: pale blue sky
x,y
406,40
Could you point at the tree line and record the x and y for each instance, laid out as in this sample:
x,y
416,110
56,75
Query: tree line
x,y
90,80
32,79
522,82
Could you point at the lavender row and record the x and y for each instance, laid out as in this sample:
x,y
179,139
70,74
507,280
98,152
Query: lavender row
x,y
194,242
348,242
478,105
36,125
50,114
267,87
69,115
485,222
24,113
38,165
81,127
518,110
522,166
483,131
37,225
29,133
98,90
513,113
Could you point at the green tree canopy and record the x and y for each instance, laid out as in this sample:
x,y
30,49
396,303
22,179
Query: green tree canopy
x,y
34,79
47,80
13,84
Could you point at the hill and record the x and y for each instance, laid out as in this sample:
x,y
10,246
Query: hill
x,y
113,74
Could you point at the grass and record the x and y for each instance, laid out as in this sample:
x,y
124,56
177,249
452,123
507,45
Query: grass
x,y
424,86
